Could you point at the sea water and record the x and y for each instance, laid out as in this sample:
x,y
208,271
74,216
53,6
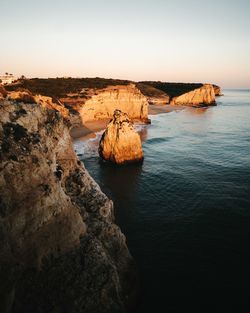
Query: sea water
x,y
186,210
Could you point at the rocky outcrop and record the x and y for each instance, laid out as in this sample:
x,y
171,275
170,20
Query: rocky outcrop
x,y
217,91
3,92
47,102
198,97
102,104
60,250
21,96
120,143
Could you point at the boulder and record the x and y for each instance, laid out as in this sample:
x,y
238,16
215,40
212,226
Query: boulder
x,y
120,143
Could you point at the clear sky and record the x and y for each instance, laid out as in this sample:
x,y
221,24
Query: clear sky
x,y
177,40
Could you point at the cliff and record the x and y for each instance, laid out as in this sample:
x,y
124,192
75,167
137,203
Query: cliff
x,y
60,249
120,143
90,99
128,99
81,100
201,96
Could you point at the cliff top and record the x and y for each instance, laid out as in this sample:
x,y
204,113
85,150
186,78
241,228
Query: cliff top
x,y
60,87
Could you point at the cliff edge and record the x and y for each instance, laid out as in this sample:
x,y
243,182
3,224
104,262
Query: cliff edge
x,y
60,249
88,99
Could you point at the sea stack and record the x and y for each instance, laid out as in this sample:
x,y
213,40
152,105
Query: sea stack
x,y
120,143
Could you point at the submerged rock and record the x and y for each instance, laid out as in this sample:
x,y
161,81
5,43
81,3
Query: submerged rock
x,y
60,249
120,143
201,96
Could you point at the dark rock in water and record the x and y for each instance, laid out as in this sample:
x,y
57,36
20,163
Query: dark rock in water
x,y
56,227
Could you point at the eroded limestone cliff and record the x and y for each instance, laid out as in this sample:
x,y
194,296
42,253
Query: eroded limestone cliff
x,y
127,98
59,247
120,143
84,100
201,96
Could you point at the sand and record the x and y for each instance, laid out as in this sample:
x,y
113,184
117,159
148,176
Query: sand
x,y
89,129
159,109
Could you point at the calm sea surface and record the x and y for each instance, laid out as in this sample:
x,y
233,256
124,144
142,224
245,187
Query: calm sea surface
x,y
186,210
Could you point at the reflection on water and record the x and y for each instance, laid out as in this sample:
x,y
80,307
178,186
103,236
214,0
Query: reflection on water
x,y
186,210
198,111
120,184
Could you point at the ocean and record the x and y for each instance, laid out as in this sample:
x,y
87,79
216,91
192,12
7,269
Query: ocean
x,y
186,210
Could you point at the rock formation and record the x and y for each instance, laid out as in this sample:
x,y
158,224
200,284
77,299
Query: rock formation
x,y
59,248
198,97
127,98
120,143
87,99
217,90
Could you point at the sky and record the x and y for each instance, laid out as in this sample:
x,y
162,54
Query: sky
x,y
182,41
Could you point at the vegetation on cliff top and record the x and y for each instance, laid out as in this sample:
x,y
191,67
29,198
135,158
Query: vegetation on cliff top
x,y
60,87
172,89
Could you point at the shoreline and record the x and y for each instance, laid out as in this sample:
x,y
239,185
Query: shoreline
x,y
89,129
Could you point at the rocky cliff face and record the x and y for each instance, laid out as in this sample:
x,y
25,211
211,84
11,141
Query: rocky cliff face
x,y
60,250
120,143
217,90
102,104
25,96
201,96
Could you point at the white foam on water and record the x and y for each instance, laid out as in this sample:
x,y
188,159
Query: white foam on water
x,y
87,148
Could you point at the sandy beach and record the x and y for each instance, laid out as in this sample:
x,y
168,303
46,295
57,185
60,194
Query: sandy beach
x,y
89,129
159,109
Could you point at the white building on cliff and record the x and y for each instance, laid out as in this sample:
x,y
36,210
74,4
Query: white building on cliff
x,y
7,79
